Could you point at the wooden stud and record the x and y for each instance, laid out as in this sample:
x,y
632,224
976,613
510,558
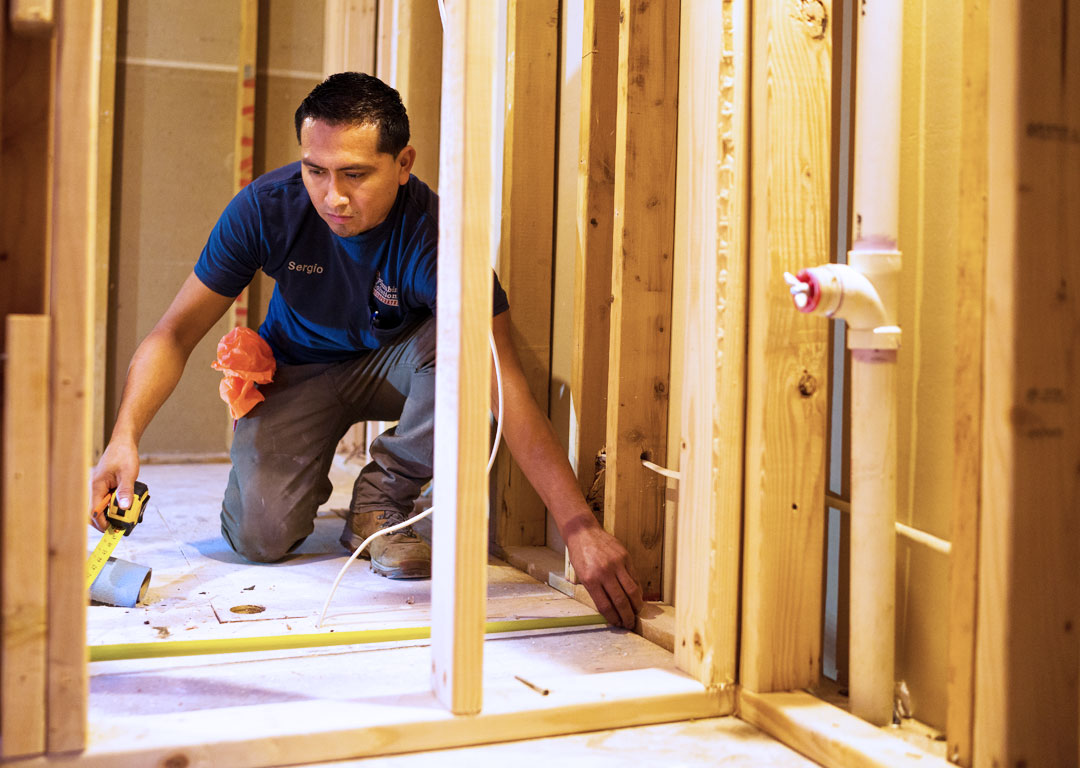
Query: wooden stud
x,y
711,229
788,353
1028,618
24,536
102,229
592,257
466,244
74,203
643,229
829,735
526,254
967,404
596,210
350,34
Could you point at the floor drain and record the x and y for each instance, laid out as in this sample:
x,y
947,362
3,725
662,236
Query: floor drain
x,y
247,609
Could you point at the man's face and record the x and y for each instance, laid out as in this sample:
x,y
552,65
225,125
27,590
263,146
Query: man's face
x,y
351,184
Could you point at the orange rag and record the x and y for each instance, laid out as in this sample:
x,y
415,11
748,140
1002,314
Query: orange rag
x,y
246,360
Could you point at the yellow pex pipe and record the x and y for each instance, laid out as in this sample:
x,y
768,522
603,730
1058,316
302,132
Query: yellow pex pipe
x,y
169,648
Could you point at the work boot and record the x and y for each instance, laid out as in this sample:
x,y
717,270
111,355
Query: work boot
x,y
398,555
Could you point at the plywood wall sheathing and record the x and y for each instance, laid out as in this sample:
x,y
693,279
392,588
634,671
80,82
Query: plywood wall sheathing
x,y
466,244
525,264
711,230
74,201
24,547
642,252
791,90
1028,625
967,424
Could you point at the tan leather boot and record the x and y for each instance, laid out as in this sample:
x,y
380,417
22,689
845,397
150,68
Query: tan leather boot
x,y
398,555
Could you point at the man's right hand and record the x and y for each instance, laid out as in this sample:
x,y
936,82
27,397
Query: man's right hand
x,y
117,470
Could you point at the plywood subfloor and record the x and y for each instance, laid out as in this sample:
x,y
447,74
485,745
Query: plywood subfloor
x,y
197,580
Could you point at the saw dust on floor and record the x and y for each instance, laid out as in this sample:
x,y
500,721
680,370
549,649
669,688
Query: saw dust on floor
x,y
201,589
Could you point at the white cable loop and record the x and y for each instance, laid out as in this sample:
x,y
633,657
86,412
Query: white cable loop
x,y
429,510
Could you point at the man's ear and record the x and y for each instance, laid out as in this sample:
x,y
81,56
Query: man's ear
x,y
405,160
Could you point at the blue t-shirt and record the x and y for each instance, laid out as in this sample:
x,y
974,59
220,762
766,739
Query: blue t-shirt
x,y
335,297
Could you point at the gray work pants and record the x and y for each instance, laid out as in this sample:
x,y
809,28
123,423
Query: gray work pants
x,y
282,450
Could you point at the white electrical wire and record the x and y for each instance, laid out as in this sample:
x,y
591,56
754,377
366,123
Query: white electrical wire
x,y
661,470
429,510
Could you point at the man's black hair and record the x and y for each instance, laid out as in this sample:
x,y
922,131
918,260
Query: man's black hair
x,y
354,98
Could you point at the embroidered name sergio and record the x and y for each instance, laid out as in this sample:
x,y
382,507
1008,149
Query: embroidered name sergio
x,y
308,268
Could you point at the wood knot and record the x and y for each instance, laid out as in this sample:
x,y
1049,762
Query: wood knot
x,y
807,384
813,15
176,761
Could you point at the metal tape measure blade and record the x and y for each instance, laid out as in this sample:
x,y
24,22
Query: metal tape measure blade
x,y
101,553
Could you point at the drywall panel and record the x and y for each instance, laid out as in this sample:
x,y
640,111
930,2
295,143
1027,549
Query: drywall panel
x,y
174,176
203,31
929,215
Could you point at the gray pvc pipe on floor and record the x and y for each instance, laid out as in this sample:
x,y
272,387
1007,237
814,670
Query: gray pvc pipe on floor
x,y
120,583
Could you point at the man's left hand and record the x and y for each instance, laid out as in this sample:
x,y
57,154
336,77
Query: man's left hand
x,y
603,566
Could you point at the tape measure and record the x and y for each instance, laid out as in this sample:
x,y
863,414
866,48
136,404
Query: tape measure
x,y
121,523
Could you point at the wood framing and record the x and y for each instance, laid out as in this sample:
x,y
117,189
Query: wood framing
x,y
1027,655
711,229
350,34
643,231
74,202
526,253
106,121
592,258
788,353
24,546
26,166
827,734
466,244
967,427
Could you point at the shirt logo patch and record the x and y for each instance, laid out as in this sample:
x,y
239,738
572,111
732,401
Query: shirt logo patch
x,y
387,294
